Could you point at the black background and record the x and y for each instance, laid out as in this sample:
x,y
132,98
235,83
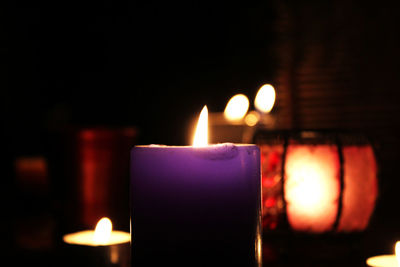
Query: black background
x,y
150,65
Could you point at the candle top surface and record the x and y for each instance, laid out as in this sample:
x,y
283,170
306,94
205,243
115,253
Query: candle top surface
x,y
85,238
223,151
220,145
383,261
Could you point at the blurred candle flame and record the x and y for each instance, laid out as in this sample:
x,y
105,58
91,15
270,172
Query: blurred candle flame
x,y
265,98
397,252
237,107
201,135
103,231
252,118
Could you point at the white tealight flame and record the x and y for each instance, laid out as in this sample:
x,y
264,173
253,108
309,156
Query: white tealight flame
x,y
237,107
103,231
386,260
201,135
265,98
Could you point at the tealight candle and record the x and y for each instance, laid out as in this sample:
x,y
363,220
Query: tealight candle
x,y
386,260
196,205
104,246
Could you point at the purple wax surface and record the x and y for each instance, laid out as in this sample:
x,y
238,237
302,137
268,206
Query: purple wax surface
x,y
195,204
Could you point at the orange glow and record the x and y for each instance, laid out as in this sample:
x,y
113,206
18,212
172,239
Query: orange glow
x,y
252,118
102,231
259,248
312,187
397,252
237,107
201,135
114,255
265,98
32,171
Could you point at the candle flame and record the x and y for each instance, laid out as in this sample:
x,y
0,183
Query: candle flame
x,y
237,107
265,98
103,231
201,135
397,252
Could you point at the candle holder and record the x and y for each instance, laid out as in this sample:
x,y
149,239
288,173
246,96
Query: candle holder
x,y
316,185
103,256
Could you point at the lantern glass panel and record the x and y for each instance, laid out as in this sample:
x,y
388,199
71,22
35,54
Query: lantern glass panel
x,y
360,187
312,186
273,208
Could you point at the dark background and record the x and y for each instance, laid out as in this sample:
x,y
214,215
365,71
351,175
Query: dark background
x,y
149,65
67,65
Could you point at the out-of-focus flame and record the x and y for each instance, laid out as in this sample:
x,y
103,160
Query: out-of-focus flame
x,y
252,118
237,107
265,98
201,135
103,231
397,252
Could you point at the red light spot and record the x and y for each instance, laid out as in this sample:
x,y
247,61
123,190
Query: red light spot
x,y
87,135
270,202
273,161
273,225
268,182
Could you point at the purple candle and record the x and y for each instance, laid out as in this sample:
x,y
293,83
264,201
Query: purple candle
x,y
196,206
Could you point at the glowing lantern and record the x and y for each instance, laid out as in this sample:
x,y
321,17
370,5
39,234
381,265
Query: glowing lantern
x,y
317,182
